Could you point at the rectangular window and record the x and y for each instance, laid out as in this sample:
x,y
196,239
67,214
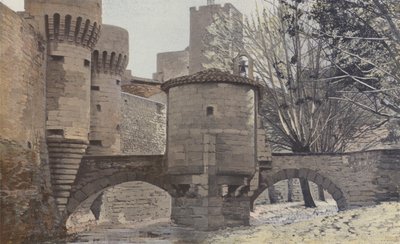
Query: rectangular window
x,y
86,63
95,88
95,142
55,132
57,58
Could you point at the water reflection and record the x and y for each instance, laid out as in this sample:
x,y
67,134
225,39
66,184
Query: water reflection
x,y
163,232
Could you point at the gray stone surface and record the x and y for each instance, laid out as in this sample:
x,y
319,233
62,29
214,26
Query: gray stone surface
x,y
232,124
353,179
143,126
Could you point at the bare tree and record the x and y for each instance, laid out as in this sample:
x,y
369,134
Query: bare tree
x,y
300,82
364,36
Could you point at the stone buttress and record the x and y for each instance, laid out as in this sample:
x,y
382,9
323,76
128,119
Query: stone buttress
x,y
109,61
71,29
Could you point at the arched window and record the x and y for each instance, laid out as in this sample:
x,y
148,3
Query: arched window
x,y
125,61
243,63
46,25
77,28
90,40
112,61
119,63
85,31
104,60
95,60
68,19
56,19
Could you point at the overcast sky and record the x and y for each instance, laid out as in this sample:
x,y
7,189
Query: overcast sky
x,y
154,26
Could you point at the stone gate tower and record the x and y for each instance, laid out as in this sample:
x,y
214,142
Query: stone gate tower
x,y
211,148
71,29
109,61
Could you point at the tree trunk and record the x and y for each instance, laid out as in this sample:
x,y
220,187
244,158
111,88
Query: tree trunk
x,y
321,194
272,195
290,190
305,189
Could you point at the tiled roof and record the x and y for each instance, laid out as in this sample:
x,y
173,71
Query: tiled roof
x,y
208,76
142,90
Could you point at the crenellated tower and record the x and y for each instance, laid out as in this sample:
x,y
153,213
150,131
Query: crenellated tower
x,y
109,61
71,29
201,19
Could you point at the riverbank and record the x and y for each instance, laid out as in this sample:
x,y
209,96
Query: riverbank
x,y
377,224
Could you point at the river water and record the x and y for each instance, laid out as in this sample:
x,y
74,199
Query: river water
x,y
163,231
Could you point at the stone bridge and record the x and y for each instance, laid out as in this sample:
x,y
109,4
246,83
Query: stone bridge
x,y
97,173
353,179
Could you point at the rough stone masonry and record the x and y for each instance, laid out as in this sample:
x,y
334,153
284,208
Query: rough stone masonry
x,y
216,160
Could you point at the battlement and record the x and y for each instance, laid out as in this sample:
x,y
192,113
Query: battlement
x,y
77,30
73,21
112,51
107,62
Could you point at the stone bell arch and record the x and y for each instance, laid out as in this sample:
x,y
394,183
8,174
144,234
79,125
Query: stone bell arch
x,y
243,65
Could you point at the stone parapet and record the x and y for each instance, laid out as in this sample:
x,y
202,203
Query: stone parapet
x,y
74,22
111,53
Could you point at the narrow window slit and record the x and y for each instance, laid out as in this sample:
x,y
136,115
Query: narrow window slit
x,y
210,111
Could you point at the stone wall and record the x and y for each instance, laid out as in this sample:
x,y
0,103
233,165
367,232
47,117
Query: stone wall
x,y
134,202
353,179
27,208
143,127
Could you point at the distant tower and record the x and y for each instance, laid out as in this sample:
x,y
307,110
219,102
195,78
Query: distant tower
x,y
110,59
200,20
71,29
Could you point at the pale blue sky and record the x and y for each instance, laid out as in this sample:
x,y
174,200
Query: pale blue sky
x,y
154,26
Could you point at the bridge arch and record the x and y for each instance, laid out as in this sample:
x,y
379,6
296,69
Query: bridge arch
x,y
95,187
268,179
